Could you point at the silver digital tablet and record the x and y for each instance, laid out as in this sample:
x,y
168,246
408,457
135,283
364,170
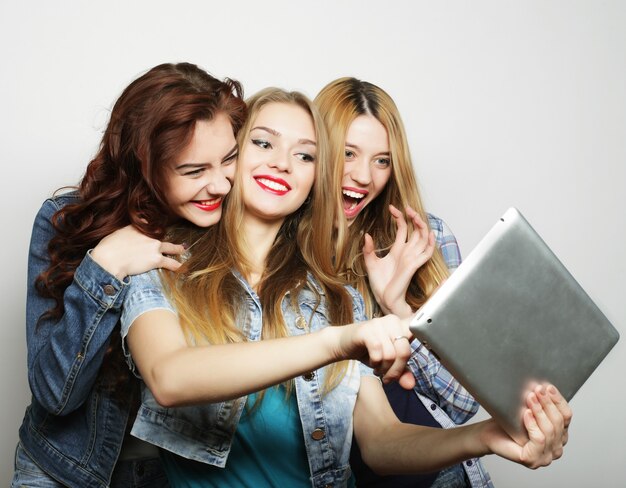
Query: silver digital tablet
x,y
511,316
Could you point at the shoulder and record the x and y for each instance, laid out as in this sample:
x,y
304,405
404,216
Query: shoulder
x,y
446,241
145,293
150,280
439,227
55,203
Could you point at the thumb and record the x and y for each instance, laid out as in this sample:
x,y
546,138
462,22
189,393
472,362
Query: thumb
x,y
368,246
407,380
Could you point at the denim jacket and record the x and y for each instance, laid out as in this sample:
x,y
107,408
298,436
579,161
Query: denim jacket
x,y
72,428
205,433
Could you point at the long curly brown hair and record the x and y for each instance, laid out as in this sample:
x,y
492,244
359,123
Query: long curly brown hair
x,y
150,123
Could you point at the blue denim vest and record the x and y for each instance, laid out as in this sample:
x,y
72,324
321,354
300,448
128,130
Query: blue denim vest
x,y
205,433
73,429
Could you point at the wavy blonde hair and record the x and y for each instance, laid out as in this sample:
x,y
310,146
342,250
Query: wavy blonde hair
x,y
340,102
209,298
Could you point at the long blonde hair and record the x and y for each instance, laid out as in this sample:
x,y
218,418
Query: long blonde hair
x,y
340,102
210,299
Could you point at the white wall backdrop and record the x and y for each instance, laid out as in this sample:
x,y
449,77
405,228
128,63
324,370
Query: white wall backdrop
x,y
506,103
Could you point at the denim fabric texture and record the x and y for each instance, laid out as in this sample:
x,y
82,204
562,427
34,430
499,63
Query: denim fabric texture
x,y
73,428
140,473
205,433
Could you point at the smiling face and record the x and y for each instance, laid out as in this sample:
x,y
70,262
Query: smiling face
x,y
277,162
203,173
367,166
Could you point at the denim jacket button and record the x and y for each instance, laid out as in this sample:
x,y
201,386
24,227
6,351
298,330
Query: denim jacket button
x,y
109,290
318,434
300,322
469,463
308,376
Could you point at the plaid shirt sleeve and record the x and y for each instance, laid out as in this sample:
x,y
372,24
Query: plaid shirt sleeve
x,y
433,380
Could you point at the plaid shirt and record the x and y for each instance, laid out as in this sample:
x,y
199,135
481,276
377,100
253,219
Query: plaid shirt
x,y
443,396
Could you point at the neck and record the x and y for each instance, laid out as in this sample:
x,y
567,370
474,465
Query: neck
x,y
259,236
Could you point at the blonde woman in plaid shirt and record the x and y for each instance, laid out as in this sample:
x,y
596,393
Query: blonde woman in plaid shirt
x,y
372,161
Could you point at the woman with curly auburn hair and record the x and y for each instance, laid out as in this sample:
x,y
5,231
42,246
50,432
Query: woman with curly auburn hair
x,y
373,165
167,156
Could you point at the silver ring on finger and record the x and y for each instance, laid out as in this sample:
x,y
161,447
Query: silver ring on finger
x,y
400,337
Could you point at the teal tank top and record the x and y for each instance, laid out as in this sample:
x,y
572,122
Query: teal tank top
x,y
268,450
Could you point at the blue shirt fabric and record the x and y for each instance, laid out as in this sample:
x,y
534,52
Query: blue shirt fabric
x,y
267,450
73,428
206,433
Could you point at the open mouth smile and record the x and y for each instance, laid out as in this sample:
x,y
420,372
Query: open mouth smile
x,y
353,201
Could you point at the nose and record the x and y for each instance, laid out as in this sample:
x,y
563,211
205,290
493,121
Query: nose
x,y
219,184
282,161
360,171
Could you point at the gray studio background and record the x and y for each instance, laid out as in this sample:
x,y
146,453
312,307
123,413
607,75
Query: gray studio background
x,y
506,103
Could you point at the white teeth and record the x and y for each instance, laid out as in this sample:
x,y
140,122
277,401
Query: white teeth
x,y
209,202
353,206
272,184
353,194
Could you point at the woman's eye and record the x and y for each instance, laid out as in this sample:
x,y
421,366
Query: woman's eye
x,y
195,172
349,154
307,158
261,143
384,162
230,159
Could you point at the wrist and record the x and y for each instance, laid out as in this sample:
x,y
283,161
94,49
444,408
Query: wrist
x,y
401,309
333,339
101,259
481,434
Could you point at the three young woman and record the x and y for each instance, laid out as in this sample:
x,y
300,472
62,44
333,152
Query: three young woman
x,y
267,273
84,247
373,163
257,304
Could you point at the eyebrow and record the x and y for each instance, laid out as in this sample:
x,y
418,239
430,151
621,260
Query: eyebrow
x,y
200,165
278,134
354,146
266,129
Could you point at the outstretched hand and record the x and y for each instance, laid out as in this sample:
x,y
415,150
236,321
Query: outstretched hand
x,y
128,252
383,344
390,276
547,420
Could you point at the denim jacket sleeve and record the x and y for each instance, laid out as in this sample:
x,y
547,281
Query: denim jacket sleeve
x,y
433,379
64,356
144,294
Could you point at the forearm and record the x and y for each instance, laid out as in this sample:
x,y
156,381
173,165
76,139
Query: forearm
x,y
215,373
389,446
408,449
64,356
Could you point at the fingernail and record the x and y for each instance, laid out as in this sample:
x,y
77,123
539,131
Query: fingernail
x,y
185,245
552,389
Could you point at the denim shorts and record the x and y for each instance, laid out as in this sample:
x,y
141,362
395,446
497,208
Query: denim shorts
x,y
140,473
